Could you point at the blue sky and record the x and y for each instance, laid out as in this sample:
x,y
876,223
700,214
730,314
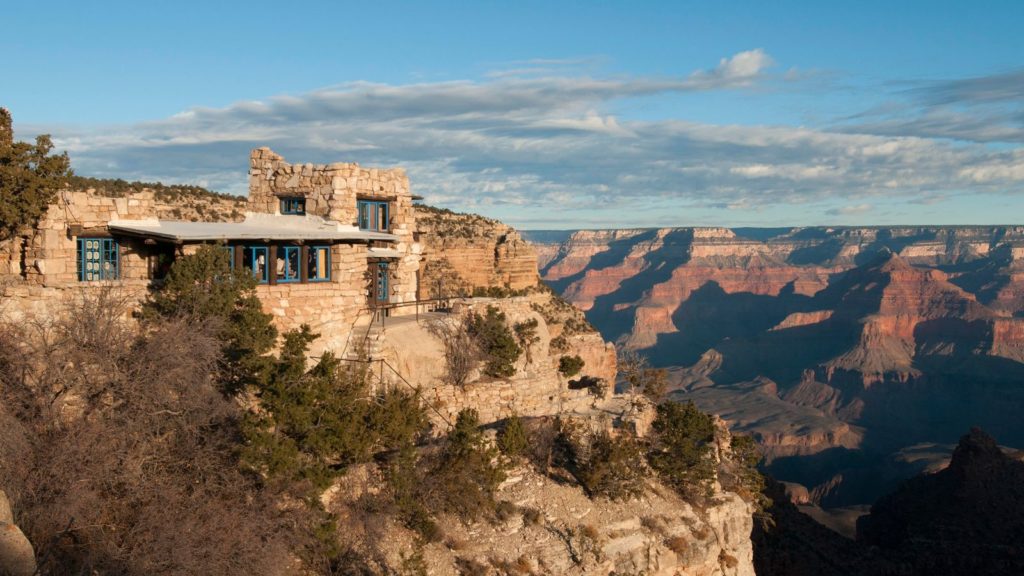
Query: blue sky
x,y
552,114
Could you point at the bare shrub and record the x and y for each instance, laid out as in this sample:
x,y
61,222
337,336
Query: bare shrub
x,y
461,351
655,524
678,544
141,477
532,517
640,377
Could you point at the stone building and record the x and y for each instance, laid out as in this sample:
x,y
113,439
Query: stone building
x,y
329,245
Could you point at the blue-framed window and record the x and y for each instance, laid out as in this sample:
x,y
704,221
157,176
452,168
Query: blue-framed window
x,y
373,215
293,205
98,259
231,256
257,258
380,285
319,264
286,263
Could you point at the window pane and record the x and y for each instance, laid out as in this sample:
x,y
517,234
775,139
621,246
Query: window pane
x,y
255,258
97,259
324,263
373,215
286,263
319,263
365,215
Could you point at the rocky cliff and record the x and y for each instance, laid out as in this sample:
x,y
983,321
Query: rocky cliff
x,y
658,533
965,518
551,526
485,253
828,344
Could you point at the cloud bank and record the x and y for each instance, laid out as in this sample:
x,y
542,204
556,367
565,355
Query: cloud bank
x,y
555,142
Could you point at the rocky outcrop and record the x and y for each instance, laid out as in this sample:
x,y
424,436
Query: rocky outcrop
x,y
966,519
658,534
485,253
797,319
536,389
17,557
553,527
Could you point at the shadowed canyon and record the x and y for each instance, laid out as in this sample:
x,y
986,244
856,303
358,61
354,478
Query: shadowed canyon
x,y
855,356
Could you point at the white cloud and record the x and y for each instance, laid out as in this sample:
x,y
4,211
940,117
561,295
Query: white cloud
x,y
547,142
744,65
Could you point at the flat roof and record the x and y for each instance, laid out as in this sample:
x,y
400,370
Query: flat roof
x,y
255,227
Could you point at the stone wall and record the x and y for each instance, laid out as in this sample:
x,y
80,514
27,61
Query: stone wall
x,y
38,272
331,309
331,191
46,254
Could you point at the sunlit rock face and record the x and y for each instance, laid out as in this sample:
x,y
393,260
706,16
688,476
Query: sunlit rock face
x,y
872,339
485,252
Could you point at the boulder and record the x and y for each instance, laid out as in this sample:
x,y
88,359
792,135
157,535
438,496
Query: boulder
x,y
16,555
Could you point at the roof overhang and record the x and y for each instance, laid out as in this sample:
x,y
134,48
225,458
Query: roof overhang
x,y
383,253
255,227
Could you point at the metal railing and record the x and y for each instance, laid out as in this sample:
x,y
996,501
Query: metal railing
x,y
380,313
429,304
392,370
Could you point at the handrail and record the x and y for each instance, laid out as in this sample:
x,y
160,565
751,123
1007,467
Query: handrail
x,y
378,309
384,363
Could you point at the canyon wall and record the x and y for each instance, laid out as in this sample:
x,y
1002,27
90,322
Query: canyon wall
x,y
818,341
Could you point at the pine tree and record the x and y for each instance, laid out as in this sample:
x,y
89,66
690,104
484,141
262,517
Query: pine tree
x,y
681,448
496,341
202,286
29,178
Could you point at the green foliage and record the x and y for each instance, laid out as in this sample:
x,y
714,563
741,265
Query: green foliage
x,y
29,178
445,223
526,336
313,424
596,386
512,440
569,366
499,292
615,467
681,448
466,475
202,286
496,342
559,344
558,310
407,492
116,187
750,483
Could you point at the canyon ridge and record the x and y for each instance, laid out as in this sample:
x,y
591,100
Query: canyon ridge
x,y
855,356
